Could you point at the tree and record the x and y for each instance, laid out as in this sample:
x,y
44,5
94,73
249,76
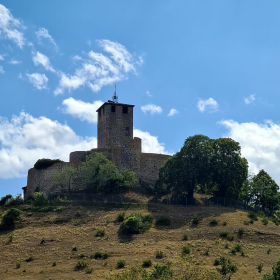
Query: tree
x,y
189,167
265,191
228,169
65,178
101,175
275,272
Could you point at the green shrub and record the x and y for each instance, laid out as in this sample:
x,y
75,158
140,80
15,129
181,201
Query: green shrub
x,y
195,220
120,217
185,236
238,247
163,221
260,267
159,254
89,270
224,224
81,256
29,259
100,232
80,265
74,248
207,253
17,265
186,250
105,256
275,272
161,272
251,221
121,264
97,255
223,234
227,268
136,223
45,162
233,252
147,263
240,232
40,199
213,223
265,221
4,199
216,262
18,200
230,238
253,216
275,221
9,217
268,251
54,264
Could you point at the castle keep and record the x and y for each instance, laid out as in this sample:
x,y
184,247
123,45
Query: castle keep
x,y
115,140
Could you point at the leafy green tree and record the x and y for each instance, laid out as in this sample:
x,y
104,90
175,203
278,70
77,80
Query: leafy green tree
x,y
65,178
40,199
265,191
9,217
101,175
189,167
246,192
228,169
275,272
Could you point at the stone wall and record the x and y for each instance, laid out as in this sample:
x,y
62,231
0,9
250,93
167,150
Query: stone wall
x,y
150,164
43,178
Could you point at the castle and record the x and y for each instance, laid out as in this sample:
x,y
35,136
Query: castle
x,y
115,140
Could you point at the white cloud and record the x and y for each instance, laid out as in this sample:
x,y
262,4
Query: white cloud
x,y
98,69
1,69
260,145
1,57
44,33
76,57
10,27
172,112
150,143
39,58
153,109
148,93
249,99
209,103
82,110
13,61
25,139
38,80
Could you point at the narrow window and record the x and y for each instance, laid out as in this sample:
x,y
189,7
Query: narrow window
x,y
127,131
125,110
113,108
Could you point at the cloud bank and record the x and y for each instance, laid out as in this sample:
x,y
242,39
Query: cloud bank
x,y
24,139
259,144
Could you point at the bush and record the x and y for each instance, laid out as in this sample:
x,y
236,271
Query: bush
x,y
18,200
224,224
227,268
100,232
89,270
29,259
161,272
240,232
186,250
4,199
275,272
185,236
275,221
80,265
45,162
147,263
40,199
238,247
74,248
253,216
17,265
163,221
159,254
213,223
97,255
260,267
136,223
9,217
223,234
195,220
120,217
230,238
121,264
216,262
265,221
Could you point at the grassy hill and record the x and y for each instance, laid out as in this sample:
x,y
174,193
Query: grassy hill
x,y
69,234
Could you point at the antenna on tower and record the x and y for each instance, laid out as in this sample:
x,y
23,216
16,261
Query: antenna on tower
x,y
115,97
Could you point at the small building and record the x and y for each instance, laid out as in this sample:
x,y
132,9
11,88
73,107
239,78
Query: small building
x,y
115,140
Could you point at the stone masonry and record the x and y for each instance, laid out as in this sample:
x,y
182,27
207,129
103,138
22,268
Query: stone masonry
x,y
115,140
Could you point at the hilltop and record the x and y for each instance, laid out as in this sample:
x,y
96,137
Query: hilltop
x,y
67,232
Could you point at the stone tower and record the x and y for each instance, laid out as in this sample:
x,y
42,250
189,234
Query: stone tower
x,y
115,120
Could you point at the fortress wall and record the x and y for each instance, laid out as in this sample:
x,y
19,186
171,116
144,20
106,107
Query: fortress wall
x,y
150,164
131,155
79,156
43,178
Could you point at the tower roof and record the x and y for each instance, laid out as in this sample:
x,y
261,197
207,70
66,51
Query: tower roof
x,y
114,103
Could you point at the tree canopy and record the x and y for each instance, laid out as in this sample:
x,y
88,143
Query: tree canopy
x,y
210,163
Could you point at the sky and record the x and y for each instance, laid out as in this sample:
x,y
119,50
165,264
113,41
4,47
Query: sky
x,y
189,67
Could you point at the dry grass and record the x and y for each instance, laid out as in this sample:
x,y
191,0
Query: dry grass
x,y
62,231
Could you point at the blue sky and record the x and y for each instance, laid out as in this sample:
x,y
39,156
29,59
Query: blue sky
x,y
190,67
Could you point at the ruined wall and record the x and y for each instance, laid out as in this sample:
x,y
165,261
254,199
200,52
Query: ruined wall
x,y
79,156
150,164
43,178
